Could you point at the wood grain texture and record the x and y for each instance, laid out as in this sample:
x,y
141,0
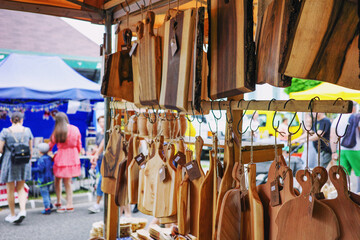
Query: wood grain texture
x,y
321,41
232,49
168,220
113,154
347,212
294,221
166,191
205,217
183,216
136,67
195,189
133,174
256,207
150,173
121,197
227,180
151,60
320,177
270,39
176,68
118,76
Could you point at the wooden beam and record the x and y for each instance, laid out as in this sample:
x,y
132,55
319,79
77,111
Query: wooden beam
x,y
325,106
84,5
112,218
86,15
260,155
112,3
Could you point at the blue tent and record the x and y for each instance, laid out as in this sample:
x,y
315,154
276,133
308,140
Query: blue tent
x,y
43,78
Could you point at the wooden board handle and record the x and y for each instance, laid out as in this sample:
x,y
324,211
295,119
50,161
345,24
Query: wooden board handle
x,y
149,21
170,152
306,184
140,30
198,148
339,183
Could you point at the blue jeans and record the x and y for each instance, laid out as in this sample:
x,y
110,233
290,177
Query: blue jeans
x,y
98,187
44,191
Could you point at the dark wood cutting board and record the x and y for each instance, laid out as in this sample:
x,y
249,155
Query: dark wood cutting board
x,y
113,154
322,41
177,66
271,37
118,76
232,48
150,61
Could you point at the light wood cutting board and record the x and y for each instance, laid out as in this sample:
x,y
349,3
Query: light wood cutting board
x,y
137,68
133,174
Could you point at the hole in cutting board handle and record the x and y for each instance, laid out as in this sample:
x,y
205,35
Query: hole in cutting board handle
x,y
226,1
304,178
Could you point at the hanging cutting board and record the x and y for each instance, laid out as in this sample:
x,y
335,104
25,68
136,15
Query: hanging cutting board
x,y
256,207
166,189
264,192
121,196
347,212
273,27
150,175
195,189
178,47
135,59
149,51
183,216
321,42
232,49
320,177
113,154
229,220
118,76
305,217
133,174
205,217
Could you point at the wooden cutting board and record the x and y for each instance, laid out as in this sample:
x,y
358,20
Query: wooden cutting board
x,y
256,207
133,174
347,212
232,49
229,220
320,177
150,175
321,42
118,76
166,191
135,59
113,154
150,61
205,217
227,179
273,27
177,65
195,188
295,221
183,216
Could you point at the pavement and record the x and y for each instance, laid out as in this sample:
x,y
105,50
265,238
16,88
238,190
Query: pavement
x,y
56,226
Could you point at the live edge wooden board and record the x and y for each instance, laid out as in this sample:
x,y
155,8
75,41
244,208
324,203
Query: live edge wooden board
x,y
232,48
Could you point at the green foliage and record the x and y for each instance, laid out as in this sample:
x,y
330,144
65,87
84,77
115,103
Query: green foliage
x,y
298,85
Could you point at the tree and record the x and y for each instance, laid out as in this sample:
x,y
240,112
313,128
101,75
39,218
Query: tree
x,y
298,85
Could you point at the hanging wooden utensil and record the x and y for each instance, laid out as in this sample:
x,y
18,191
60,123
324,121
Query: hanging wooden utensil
x,y
137,68
151,171
183,216
322,42
232,49
320,177
256,207
347,212
178,47
150,59
118,76
273,28
166,190
133,173
229,221
113,154
305,217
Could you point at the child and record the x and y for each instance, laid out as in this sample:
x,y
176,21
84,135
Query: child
x,y
46,177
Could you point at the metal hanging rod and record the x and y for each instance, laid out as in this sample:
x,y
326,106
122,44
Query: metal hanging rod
x,y
325,106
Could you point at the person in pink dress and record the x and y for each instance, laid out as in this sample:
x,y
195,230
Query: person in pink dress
x,y
67,137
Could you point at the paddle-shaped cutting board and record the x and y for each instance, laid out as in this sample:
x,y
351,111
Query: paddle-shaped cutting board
x,y
183,216
176,66
295,221
195,189
232,49
135,59
149,51
166,191
229,220
321,43
133,174
256,207
273,28
320,177
121,196
113,154
118,76
150,175
347,212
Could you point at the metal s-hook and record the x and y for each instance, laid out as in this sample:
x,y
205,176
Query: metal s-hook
x,y
252,117
193,114
212,110
231,119
202,115
238,125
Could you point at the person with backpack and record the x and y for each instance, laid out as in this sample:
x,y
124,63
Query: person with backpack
x,y
46,176
15,169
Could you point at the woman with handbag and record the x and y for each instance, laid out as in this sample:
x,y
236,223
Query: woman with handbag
x,y
15,170
67,137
